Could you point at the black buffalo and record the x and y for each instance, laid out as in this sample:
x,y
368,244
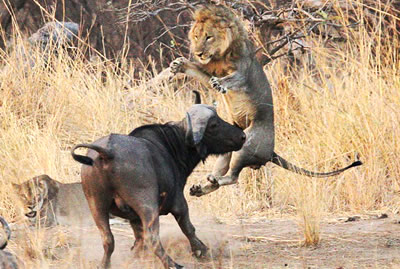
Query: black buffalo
x,y
142,175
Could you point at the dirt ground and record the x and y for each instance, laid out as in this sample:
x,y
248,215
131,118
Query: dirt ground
x,y
362,242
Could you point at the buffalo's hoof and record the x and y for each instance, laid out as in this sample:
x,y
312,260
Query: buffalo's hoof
x,y
139,248
104,266
214,81
176,65
201,254
196,190
177,266
213,180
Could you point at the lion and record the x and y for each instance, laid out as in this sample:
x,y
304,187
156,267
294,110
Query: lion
x,y
225,58
54,202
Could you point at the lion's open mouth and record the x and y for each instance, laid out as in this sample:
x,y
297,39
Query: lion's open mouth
x,y
34,209
204,60
31,214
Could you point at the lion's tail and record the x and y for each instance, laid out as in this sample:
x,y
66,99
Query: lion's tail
x,y
276,159
104,154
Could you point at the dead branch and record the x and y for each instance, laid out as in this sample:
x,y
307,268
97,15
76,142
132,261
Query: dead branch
x,y
143,10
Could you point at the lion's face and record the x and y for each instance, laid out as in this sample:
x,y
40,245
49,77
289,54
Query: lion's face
x,y
209,41
34,193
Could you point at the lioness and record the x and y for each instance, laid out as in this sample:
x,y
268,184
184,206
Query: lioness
x,y
226,59
54,202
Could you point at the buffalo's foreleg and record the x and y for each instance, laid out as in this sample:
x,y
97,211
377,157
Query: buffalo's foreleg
x,y
181,214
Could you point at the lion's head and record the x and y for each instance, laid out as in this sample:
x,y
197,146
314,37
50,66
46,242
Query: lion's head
x,y
35,193
216,34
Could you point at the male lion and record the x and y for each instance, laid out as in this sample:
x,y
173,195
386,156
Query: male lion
x,y
226,59
54,202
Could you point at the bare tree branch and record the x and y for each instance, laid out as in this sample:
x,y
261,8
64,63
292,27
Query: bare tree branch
x,y
143,10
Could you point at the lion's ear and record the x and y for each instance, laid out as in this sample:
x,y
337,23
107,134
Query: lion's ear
x,y
15,186
53,187
43,188
222,23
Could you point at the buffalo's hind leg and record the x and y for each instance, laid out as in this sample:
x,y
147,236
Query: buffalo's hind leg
x,y
99,208
152,237
139,247
145,204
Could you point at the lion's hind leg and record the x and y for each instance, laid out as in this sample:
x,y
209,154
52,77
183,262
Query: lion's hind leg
x,y
215,180
221,166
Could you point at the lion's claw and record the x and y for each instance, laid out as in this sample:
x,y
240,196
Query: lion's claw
x,y
213,180
196,190
176,65
216,85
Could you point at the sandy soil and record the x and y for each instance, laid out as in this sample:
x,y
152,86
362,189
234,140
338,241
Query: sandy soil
x,y
251,243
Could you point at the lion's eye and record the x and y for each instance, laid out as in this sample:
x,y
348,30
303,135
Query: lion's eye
x,y
195,37
208,38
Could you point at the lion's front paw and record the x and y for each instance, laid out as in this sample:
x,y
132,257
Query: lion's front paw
x,y
177,65
214,81
196,190
213,180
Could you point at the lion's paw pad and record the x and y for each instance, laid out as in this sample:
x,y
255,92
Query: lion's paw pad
x,y
216,85
196,190
176,65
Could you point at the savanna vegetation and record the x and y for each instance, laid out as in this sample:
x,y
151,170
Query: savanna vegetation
x,y
333,101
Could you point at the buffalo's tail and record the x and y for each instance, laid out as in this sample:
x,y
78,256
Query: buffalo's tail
x,y
104,154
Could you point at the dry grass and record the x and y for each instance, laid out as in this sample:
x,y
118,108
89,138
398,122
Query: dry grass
x,y
348,102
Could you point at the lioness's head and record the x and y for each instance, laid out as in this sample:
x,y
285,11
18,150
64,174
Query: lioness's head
x,y
215,32
35,193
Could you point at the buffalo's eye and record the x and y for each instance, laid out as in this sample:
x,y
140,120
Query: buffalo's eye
x,y
213,125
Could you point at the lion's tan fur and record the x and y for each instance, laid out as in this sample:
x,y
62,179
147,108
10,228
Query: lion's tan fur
x,y
62,203
230,42
240,107
216,20
225,59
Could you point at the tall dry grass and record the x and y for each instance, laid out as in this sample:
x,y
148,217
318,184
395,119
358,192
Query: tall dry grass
x,y
348,101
